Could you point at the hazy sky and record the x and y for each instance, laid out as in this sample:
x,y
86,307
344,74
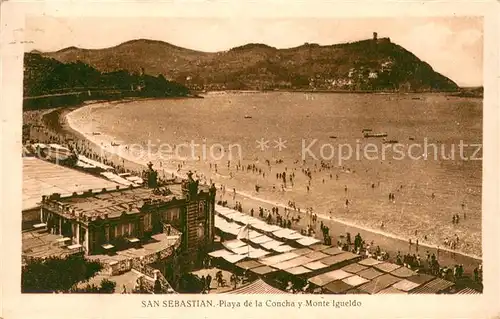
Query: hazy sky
x,y
452,46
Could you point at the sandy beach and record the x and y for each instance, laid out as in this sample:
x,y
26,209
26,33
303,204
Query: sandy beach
x,y
86,123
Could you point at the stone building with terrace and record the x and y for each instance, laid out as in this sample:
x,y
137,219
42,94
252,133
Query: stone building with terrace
x,y
108,223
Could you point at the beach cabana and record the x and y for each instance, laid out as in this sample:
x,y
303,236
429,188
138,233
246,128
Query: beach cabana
x,y
303,251
263,270
403,272
316,255
355,281
319,247
386,267
219,253
257,253
336,287
332,251
307,241
405,285
340,259
248,264
283,248
435,286
420,278
253,234
468,291
354,268
297,236
370,273
278,258
243,250
283,233
257,287
315,265
262,226
271,244
291,263
379,284
232,244
234,258
297,271
355,291
369,262
260,239
323,279
390,291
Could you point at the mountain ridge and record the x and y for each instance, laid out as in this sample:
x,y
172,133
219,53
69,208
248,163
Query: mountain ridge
x,y
372,64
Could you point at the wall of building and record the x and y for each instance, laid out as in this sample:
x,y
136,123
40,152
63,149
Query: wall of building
x,y
30,217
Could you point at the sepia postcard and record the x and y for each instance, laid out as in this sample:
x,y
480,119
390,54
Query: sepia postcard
x,y
210,159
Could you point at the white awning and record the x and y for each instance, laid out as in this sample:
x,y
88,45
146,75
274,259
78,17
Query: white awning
x,y
257,253
261,239
293,236
132,240
308,241
271,244
220,253
75,246
107,246
243,250
232,244
283,248
282,233
234,258
63,239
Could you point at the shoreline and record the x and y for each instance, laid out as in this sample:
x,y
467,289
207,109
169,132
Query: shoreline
x,y
70,126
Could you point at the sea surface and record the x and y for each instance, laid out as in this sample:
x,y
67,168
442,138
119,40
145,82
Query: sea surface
x,y
302,130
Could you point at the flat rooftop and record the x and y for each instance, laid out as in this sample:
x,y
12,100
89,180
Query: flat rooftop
x,y
42,244
114,202
44,178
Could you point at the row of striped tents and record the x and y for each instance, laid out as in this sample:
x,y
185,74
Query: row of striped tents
x,y
468,291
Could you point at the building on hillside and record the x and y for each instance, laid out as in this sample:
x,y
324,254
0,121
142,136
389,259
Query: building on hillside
x,y
105,221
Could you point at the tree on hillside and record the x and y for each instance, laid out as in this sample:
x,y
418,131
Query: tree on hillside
x,y
55,274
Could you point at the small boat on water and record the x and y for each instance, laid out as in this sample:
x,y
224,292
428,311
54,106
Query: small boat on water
x,y
248,117
96,133
366,130
366,134
114,144
391,142
411,138
333,136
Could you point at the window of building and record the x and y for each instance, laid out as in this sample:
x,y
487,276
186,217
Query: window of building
x,y
125,230
147,222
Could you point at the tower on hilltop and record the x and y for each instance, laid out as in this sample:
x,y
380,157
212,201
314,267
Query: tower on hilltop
x,y
375,36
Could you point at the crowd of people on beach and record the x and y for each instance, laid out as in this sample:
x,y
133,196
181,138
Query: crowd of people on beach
x,y
358,246
285,179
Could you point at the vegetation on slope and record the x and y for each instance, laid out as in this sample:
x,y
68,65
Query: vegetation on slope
x,y
46,76
364,65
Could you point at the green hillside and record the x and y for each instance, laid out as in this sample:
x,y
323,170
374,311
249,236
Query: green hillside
x,y
364,65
